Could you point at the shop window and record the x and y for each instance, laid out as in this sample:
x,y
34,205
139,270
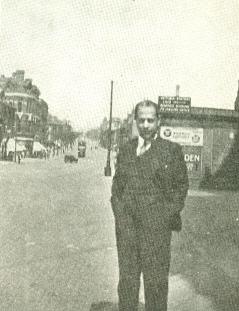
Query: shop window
x,y
19,106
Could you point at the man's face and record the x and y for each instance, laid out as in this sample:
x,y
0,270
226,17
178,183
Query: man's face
x,y
147,122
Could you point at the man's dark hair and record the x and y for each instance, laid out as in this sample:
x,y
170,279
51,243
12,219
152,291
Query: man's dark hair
x,y
146,103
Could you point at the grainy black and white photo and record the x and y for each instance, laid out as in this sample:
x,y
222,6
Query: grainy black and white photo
x,y
119,155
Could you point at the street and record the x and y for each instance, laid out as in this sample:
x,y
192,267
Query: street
x,y
58,247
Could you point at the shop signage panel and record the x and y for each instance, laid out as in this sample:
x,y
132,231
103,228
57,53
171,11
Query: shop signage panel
x,y
183,135
174,104
193,159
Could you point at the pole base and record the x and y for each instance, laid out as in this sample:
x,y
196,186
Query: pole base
x,y
107,171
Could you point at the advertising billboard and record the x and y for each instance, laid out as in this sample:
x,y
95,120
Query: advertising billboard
x,y
184,136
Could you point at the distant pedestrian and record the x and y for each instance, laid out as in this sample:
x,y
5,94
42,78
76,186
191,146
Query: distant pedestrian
x,y
48,151
19,158
148,193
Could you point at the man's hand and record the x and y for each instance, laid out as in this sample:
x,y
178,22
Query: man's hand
x,y
117,205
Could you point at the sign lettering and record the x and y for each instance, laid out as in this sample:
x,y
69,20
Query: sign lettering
x,y
174,104
191,157
193,161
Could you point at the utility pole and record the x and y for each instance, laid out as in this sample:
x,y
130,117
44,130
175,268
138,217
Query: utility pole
x,y
108,168
15,151
177,90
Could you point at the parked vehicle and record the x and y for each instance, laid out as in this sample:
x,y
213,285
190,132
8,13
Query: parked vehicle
x,y
70,159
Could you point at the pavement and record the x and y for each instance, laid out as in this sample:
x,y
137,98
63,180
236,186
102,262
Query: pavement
x,y
58,247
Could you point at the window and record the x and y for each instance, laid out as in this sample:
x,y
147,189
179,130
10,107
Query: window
x,y
19,106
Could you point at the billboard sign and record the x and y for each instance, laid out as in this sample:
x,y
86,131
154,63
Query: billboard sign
x,y
174,104
185,136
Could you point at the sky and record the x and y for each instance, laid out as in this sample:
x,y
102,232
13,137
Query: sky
x,y
72,49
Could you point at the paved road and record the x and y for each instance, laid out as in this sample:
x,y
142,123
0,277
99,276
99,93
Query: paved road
x,y
58,246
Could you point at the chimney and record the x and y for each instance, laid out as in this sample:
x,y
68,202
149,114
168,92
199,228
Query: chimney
x,y
236,103
177,90
19,75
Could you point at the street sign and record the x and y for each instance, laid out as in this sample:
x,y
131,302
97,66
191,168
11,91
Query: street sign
x,y
174,104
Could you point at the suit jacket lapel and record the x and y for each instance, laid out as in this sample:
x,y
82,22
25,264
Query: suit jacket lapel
x,y
160,154
134,146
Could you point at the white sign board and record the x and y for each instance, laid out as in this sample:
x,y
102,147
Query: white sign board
x,y
186,136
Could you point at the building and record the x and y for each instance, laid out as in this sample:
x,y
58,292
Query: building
x,y
23,96
207,136
23,112
116,127
60,133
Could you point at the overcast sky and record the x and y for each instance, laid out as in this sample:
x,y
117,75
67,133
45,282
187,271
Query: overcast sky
x,y
72,49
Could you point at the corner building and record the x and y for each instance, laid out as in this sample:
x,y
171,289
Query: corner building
x,y
30,119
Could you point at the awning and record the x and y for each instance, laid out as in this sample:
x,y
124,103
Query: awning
x,y
11,146
24,138
38,147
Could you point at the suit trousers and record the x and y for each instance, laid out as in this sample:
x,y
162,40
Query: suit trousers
x,y
143,243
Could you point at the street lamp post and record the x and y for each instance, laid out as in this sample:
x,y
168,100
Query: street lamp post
x,y
108,168
17,115
15,147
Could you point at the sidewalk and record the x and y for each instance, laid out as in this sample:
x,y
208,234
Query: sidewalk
x,y
210,238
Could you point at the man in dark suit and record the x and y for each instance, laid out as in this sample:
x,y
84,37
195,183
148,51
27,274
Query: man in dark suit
x,y
148,193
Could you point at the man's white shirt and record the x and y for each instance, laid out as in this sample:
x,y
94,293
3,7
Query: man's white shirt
x,y
142,147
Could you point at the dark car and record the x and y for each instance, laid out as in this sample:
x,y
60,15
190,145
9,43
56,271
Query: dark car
x,y
70,159
81,149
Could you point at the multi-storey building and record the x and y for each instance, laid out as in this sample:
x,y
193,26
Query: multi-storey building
x,y
59,132
23,113
104,132
31,112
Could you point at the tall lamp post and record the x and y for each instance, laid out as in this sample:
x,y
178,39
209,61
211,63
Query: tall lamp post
x,y
15,144
108,168
19,115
